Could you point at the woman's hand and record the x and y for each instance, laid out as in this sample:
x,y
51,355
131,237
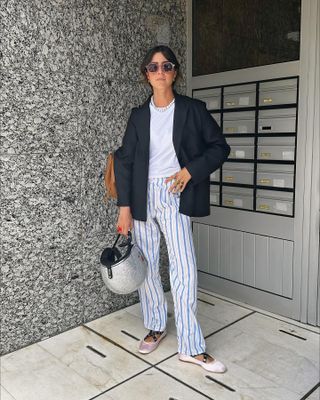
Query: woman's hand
x,y
125,222
180,179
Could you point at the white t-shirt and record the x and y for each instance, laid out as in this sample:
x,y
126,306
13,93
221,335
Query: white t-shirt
x,y
163,160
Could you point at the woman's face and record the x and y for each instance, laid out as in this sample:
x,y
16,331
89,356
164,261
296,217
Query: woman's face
x,y
160,79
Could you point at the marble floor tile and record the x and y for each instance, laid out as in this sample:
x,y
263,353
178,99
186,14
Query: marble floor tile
x,y
135,309
154,385
267,358
102,372
218,313
224,311
32,373
126,329
260,360
279,333
4,395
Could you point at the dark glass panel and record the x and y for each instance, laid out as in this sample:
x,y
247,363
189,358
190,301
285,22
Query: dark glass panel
x,y
234,34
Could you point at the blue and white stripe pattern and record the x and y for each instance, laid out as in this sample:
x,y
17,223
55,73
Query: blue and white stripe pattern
x,y
163,213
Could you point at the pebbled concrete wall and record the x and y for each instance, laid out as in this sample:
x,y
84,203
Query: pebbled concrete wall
x,y
69,79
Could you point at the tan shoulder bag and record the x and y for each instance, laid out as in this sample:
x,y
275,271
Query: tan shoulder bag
x,y
109,178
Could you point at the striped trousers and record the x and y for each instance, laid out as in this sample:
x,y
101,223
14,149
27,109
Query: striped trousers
x,y
163,214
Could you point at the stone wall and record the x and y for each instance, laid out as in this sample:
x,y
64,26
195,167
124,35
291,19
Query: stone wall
x,y
69,79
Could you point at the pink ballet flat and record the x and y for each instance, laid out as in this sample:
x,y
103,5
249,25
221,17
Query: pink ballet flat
x,y
211,366
148,347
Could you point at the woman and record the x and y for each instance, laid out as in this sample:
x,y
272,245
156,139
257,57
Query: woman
x,y
170,147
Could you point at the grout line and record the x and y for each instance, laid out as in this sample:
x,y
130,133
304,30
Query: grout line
x,y
118,345
260,312
165,359
6,391
120,383
96,351
292,334
184,383
231,323
207,302
220,383
305,397
227,301
130,335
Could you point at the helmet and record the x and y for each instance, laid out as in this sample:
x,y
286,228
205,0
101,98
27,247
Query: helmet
x,y
123,272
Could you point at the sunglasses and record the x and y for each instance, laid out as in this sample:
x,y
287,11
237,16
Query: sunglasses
x,y
166,66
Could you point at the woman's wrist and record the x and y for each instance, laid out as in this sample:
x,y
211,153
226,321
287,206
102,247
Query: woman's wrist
x,y
125,209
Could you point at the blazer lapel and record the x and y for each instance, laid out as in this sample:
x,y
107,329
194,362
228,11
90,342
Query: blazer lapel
x,y
144,127
179,118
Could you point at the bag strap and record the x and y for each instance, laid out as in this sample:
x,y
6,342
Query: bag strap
x,y
128,242
114,244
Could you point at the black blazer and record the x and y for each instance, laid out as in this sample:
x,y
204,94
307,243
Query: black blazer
x,y
199,145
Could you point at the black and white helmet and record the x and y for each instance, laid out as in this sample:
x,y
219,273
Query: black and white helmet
x,y
123,271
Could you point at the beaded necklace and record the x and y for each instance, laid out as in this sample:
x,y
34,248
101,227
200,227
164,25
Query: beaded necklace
x,y
162,109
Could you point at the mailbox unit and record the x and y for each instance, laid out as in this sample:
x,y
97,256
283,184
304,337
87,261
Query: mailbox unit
x,y
275,202
214,194
238,197
238,173
259,121
239,122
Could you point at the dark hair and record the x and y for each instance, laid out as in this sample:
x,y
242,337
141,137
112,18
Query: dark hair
x,y
167,52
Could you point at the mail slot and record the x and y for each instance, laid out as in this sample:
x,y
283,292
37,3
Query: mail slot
x,y
239,122
277,121
276,148
282,91
275,175
212,97
241,147
217,118
239,96
238,173
274,202
237,197
215,176
214,194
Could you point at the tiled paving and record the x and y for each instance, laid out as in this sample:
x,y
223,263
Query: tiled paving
x,y
268,358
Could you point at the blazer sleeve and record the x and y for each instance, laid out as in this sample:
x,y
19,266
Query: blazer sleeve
x,y
123,163
216,149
